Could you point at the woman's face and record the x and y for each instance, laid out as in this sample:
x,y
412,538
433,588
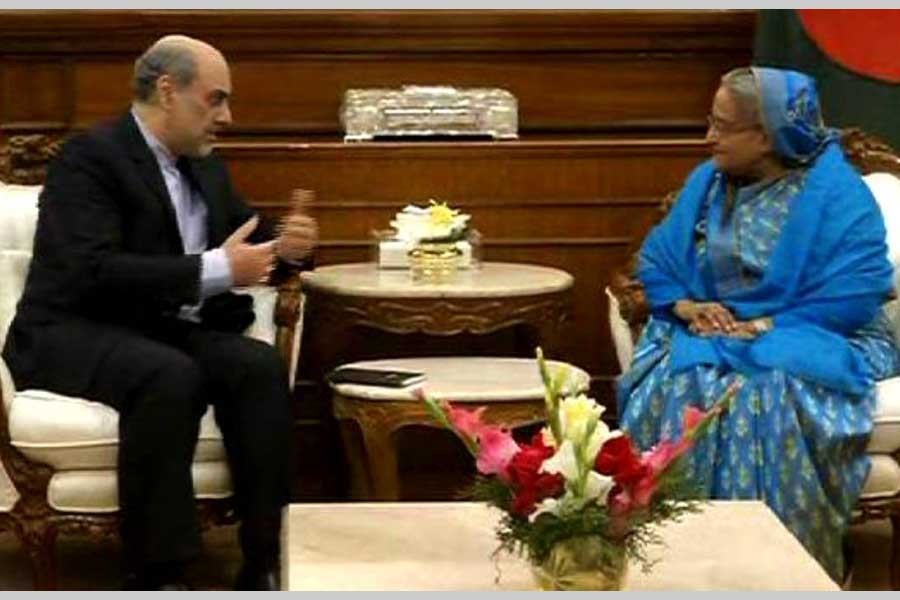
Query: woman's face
x,y
738,145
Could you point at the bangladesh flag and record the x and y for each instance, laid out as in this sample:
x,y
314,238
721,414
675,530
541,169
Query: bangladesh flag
x,y
854,56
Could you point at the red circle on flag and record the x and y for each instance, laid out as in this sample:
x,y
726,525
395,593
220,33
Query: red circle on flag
x,y
864,41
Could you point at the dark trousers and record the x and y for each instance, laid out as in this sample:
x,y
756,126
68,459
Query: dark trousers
x,y
161,384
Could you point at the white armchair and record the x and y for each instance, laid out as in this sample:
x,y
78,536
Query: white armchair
x,y
58,453
881,493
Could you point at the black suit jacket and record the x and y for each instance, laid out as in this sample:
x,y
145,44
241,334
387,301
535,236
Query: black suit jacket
x,y
107,251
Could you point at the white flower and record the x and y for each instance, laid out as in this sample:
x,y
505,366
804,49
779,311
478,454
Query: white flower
x,y
415,223
577,414
563,462
552,506
597,487
601,435
547,437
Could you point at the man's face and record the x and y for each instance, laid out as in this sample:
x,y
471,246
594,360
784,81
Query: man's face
x,y
738,145
198,111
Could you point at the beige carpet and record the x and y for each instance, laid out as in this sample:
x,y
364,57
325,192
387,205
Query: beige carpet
x,y
85,565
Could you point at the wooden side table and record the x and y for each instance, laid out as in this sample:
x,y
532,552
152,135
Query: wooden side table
x,y
510,388
477,301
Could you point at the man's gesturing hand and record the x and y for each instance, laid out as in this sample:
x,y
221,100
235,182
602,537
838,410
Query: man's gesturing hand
x,y
298,231
250,263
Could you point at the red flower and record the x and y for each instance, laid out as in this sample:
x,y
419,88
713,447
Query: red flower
x,y
619,459
531,485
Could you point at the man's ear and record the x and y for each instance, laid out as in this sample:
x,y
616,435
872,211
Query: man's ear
x,y
165,89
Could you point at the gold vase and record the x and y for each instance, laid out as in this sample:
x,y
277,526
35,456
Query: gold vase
x,y
583,563
434,262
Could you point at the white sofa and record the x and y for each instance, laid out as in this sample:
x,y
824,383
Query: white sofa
x,y
881,494
58,453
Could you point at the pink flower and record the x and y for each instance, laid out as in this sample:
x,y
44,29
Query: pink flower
x,y
467,422
643,490
496,449
664,454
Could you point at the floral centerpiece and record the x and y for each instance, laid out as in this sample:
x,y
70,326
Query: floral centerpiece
x,y
436,238
578,500
434,223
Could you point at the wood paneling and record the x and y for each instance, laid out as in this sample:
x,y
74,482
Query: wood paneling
x,y
374,31
572,71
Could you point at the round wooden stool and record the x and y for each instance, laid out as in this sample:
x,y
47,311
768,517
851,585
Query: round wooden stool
x,y
510,388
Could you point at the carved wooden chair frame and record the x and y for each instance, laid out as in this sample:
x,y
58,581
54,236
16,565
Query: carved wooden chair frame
x,y
23,160
869,155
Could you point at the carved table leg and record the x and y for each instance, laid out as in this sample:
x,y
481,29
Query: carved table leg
x,y
381,456
360,482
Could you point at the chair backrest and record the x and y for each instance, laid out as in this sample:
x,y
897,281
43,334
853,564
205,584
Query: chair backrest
x,y
886,189
18,218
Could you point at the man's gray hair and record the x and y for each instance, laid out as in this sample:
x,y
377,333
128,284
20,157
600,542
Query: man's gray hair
x,y
741,82
168,56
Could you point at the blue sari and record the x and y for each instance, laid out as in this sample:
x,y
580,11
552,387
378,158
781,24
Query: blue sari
x,y
808,250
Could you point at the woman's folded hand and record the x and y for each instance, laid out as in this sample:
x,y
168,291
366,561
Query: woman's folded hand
x,y
705,318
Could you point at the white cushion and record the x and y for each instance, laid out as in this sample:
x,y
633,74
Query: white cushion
x,y
884,478
97,491
886,189
886,435
18,216
13,271
265,298
72,433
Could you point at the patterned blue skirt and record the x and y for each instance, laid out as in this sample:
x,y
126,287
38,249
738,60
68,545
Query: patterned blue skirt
x,y
796,445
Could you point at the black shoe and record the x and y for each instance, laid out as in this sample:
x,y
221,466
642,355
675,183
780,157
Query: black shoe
x,y
849,560
134,582
257,579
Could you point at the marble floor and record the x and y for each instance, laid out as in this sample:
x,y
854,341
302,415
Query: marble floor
x,y
86,565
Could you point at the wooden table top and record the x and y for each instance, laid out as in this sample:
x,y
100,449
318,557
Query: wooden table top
x,y
491,280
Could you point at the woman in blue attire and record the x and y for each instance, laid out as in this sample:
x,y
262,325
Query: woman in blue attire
x,y
770,270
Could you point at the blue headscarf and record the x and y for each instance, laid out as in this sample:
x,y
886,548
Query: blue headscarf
x,y
828,273
791,114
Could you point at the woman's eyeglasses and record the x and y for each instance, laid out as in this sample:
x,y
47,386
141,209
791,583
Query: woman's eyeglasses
x,y
721,126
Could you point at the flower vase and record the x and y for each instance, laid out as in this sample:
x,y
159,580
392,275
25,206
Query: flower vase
x,y
582,563
434,262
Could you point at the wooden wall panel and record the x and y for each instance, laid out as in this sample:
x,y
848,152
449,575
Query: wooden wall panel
x,y
35,92
573,71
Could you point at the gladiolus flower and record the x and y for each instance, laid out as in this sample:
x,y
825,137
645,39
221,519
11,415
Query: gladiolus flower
x,y
530,484
467,422
693,416
619,459
496,449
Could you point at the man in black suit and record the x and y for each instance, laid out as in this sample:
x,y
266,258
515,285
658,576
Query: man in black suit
x,y
140,237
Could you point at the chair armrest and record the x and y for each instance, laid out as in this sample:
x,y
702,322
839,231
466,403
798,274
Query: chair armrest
x,y
9,495
279,318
